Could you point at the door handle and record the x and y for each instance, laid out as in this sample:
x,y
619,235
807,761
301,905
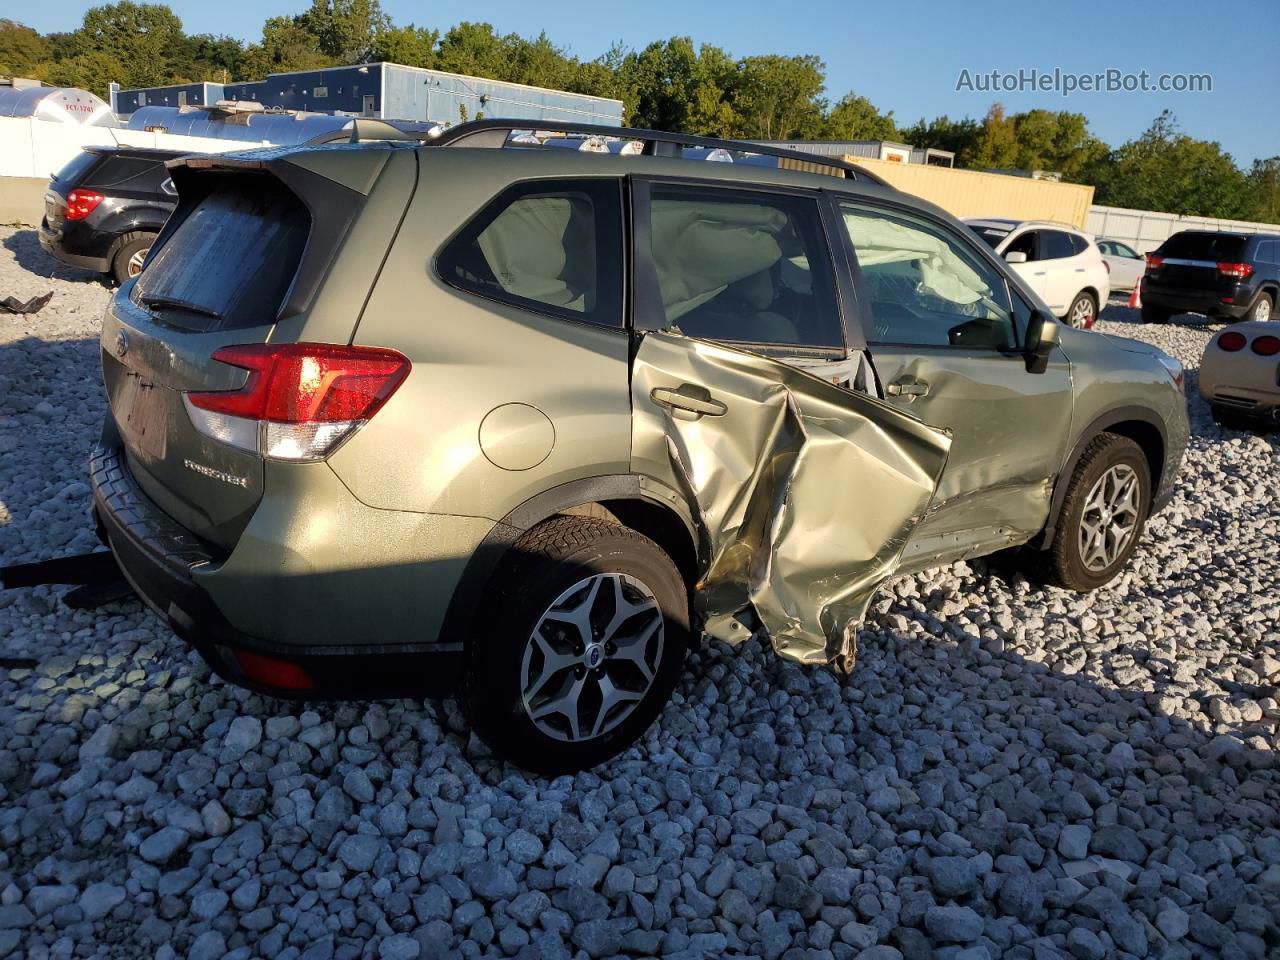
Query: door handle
x,y
907,388
689,397
1079,269
1039,274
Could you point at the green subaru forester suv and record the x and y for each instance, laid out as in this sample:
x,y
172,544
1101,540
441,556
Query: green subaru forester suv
x,y
521,415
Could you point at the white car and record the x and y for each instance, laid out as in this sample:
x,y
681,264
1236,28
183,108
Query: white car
x,y
1240,374
1125,263
1060,262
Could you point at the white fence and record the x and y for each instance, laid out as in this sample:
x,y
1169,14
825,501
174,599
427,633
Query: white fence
x,y
39,148
1144,230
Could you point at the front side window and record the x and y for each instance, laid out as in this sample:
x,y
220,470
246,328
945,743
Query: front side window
x,y
550,246
742,266
926,287
1024,243
1125,251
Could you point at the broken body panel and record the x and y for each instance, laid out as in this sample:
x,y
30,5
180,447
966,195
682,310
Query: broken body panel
x,y
805,493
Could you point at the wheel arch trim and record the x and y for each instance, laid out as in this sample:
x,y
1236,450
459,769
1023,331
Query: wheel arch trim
x,y
488,555
1103,424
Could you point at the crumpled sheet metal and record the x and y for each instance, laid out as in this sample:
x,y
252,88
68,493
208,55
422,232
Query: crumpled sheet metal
x,y
805,493
34,305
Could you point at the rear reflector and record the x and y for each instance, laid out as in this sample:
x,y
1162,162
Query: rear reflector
x,y
301,400
271,672
1231,341
1240,271
81,203
1266,346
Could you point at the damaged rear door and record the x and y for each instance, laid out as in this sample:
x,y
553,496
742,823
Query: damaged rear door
x,y
805,489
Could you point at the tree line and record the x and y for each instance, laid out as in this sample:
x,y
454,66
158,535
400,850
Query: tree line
x,y
673,84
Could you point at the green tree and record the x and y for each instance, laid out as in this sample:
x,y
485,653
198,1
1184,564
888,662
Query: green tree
x,y
286,45
856,118
89,71
143,38
943,133
673,86
346,30
474,49
1169,171
780,98
412,45
996,145
1264,182
1059,141
22,50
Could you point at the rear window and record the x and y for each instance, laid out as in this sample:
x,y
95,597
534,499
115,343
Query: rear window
x,y
119,171
1203,246
80,164
232,259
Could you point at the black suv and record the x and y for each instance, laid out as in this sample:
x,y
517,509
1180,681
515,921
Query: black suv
x,y
103,209
1226,276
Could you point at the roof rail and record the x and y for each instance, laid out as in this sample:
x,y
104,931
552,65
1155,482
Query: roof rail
x,y
495,133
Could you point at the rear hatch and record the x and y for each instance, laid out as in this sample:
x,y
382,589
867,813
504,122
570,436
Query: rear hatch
x,y
1188,262
63,182
242,261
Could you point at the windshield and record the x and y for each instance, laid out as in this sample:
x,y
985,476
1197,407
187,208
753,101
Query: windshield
x,y
992,235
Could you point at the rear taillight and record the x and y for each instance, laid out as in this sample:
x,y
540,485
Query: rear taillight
x,y
1231,341
80,203
1153,262
1240,271
301,400
1266,346
273,672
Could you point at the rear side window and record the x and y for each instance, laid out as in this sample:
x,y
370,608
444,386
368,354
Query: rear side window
x,y
122,171
78,166
1268,252
550,246
1055,245
743,266
1203,246
1078,243
231,261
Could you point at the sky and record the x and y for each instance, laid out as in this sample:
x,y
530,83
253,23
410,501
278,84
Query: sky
x,y
905,57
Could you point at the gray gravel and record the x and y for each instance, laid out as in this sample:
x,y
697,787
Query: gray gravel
x,y
1009,772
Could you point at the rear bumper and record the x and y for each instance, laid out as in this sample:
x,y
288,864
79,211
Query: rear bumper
x,y
1207,302
52,242
159,558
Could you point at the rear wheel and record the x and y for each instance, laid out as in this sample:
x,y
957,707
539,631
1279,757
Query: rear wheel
x,y
1106,506
1083,311
1154,315
586,632
129,258
1262,310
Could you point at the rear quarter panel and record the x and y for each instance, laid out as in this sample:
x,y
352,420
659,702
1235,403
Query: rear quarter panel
x,y
470,356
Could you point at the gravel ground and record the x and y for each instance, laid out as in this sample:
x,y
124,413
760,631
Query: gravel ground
x,y
1009,772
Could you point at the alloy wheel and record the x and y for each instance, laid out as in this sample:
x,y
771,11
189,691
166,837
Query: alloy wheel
x,y
1082,313
591,657
1110,517
136,261
1262,310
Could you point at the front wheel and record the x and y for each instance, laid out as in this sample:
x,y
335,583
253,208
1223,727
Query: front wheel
x,y
1105,508
587,629
1083,311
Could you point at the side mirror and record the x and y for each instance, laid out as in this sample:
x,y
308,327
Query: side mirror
x,y
1043,334
1015,256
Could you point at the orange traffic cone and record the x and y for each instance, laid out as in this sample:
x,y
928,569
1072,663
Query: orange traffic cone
x,y
1135,298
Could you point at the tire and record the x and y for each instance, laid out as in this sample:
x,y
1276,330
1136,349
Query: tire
x,y
1068,563
1155,315
128,259
1262,310
509,673
1232,419
1083,312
